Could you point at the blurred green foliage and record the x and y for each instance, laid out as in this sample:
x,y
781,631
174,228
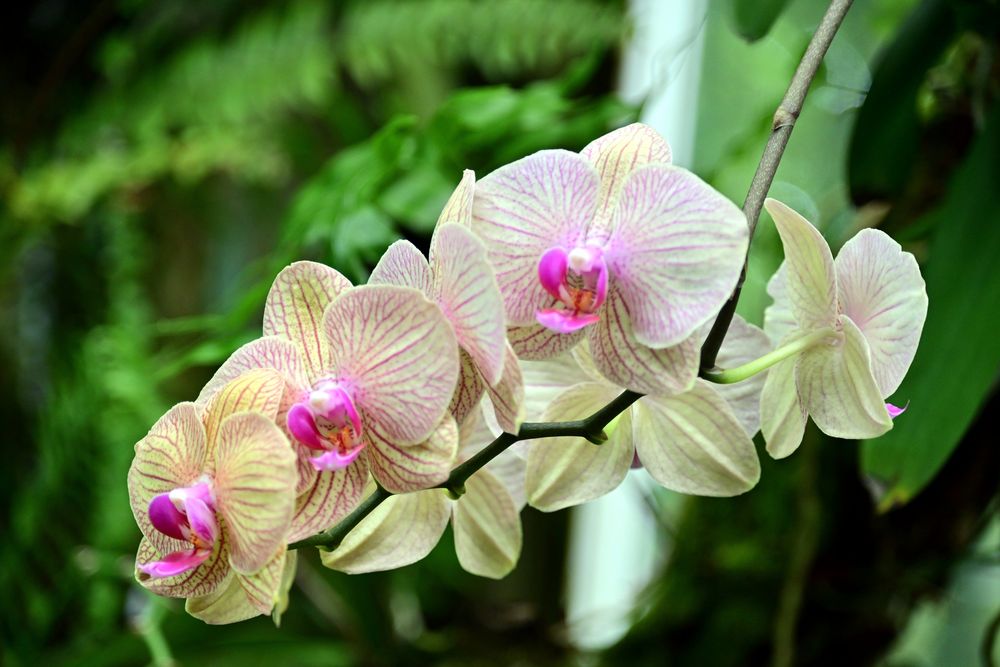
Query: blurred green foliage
x,y
161,161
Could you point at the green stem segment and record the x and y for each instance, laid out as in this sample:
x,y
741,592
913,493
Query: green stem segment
x,y
751,368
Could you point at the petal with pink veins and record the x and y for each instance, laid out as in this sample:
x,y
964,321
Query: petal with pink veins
x,y
458,208
259,390
616,155
295,305
810,279
838,389
562,472
202,579
507,395
171,456
403,265
628,363
255,477
882,291
400,531
467,291
535,342
331,497
524,208
692,443
175,563
398,354
675,253
468,391
487,528
414,467
268,352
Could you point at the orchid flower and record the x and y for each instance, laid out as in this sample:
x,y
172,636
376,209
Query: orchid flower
x,y
369,374
487,528
460,280
697,442
858,319
616,244
213,492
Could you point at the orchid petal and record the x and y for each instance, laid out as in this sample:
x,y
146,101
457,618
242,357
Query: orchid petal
x,y
398,352
779,320
255,477
743,343
269,352
536,342
331,497
628,363
838,389
302,425
175,563
402,265
487,528
552,270
226,604
782,415
507,395
295,305
510,469
810,279
334,460
459,206
281,598
200,580
466,289
469,390
569,471
165,516
414,467
616,155
171,456
202,520
262,588
260,390
882,291
401,530
544,380
523,209
676,252
894,410
692,443
564,321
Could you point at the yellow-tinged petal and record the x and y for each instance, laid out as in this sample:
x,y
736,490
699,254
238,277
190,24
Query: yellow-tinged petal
x,y
782,415
400,531
259,390
838,388
333,495
507,395
487,527
414,467
692,443
268,352
403,265
202,580
744,342
569,471
459,206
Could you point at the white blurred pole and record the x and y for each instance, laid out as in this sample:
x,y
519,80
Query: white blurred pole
x,y
613,550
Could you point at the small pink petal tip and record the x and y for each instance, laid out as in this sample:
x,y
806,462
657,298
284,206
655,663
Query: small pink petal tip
x,y
334,460
896,411
302,426
564,321
175,563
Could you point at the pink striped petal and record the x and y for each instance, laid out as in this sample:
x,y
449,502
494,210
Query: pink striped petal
x,y
676,252
268,352
562,472
507,395
535,342
524,208
882,291
260,390
743,343
331,497
620,358
838,389
459,206
171,456
692,443
782,414
295,306
615,156
466,289
255,479
779,321
416,467
468,391
810,279
403,265
399,354
202,579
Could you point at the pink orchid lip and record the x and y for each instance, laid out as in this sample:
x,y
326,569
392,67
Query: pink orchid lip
x,y
326,420
185,514
895,411
579,280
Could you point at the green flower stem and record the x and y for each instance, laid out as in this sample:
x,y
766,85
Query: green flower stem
x,y
751,368
592,428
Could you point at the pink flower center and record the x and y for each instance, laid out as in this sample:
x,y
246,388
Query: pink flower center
x,y
578,279
326,420
186,514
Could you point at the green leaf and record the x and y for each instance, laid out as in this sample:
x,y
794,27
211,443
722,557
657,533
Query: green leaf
x,y
753,18
956,365
416,199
